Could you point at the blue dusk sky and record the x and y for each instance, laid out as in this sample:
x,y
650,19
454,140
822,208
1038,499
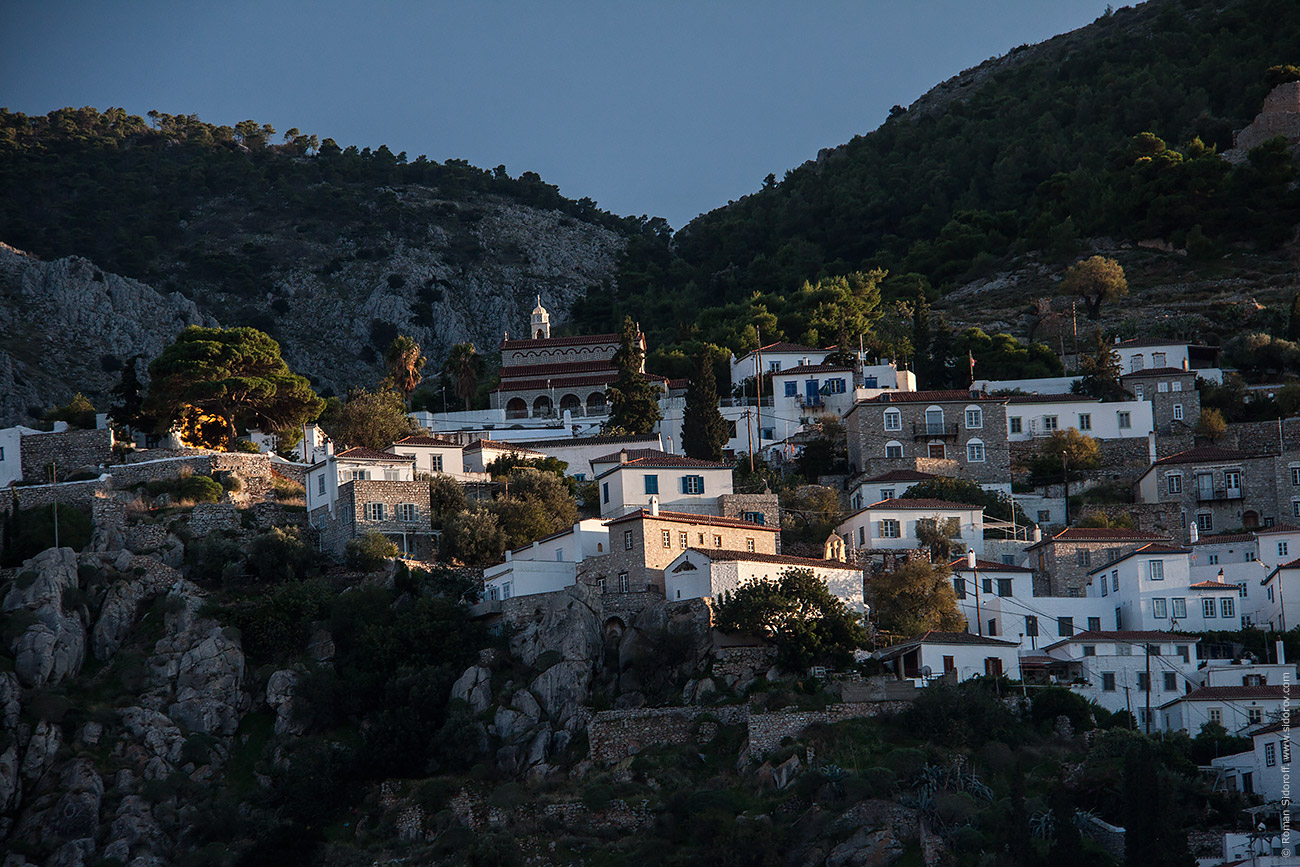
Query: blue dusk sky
x,y
662,108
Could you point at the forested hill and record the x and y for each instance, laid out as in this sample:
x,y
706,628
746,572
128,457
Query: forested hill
x,y
1032,151
331,250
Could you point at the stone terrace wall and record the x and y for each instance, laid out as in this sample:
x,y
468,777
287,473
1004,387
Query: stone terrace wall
x,y
64,493
1148,517
742,662
208,518
767,730
70,451
614,735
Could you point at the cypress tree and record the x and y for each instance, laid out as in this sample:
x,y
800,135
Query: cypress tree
x,y
633,399
704,430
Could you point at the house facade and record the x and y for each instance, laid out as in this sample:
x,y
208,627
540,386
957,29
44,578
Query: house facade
x,y
630,479
808,391
886,486
1238,709
1062,563
433,455
361,490
953,433
891,525
1175,402
1151,589
711,572
956,655
1264,769
998,601
1144,353
1032,416
549,564
1217,488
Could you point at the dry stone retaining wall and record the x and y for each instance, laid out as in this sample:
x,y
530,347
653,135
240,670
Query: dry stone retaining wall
x,y
69,451
208,518
614,735
767,730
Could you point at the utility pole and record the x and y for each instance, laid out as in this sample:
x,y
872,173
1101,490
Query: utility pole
x,y
758,404
749,435
1074,324
979,614
1065,477
54,501
1148,713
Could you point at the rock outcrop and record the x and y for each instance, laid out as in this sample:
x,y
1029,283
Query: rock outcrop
x,y
53,646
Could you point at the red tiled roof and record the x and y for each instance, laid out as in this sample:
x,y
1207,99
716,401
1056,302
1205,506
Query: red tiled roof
x,y
689,518
1128,636
1277,528
425,441
959,565
899,476
656,458
479,445
1101,534
1212,585
904,503
605,378
1159,371
936,637
569,367
363,454
1225,538
783,346
561,442
1221,693
949,396
784,559
1052,398
814,368
1203,455
561,341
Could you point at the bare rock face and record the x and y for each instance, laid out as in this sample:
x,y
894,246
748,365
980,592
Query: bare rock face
x,y
203,668
1280,116
124,600
11,694
474,687
53,647
280,690
568,624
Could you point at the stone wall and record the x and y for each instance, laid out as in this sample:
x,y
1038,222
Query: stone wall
x,y
78,494
1147,517
70,451
742,662
206,518
145,538
767,730
613,735
736,505
1279,116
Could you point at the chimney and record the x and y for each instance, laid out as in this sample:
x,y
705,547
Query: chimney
x,y
622,456
329,448
654,507
1193,533
1038,535
1184,364
1281,652
1117,340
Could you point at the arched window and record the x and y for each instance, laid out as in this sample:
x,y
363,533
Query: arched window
x,y
893,419
517,408
974,417
893,449
975,451
542,406
934,420
596,403
572,403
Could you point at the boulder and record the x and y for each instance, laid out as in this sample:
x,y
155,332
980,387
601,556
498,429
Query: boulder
x,y
74,853
134,828
124,600
197,670
40,752
76,814
11,694
321,646
568,623
53,647
474,687
868,847
10,778
159,735
280,689
562,689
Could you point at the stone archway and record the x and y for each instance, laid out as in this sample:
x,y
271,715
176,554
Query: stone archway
x,y
542,406
596,403
572,404
517,407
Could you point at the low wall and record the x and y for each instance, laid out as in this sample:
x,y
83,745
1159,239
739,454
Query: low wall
x,y
69,451
206,518
79,494
613,735
767,730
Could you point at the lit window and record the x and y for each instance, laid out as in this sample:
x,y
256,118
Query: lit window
x,y
668,538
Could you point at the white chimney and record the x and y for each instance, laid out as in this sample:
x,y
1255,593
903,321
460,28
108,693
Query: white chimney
x,y
970,558
1038,535
1281,652
654,507
1193,533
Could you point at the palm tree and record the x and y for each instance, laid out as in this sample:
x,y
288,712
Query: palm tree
x,y
405,364
462,368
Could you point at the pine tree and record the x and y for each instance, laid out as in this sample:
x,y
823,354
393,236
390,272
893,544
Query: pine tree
x,y
704,430
633,399
920,322
129,397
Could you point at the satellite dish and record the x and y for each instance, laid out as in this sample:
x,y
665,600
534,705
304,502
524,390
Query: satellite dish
x,y
925,671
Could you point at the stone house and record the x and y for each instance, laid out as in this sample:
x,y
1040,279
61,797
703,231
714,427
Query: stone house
x,y
359,490
642,544
1175,402
1217,488
1062,562
953,433
709,572
32,455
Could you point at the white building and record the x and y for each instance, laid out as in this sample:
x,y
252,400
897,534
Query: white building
x,y
1280,585
11,454
1260,769
549,564
1040,415
480,454
1236,708
433,455
961,655
1111,668
887,486
579,452
324,477
1144,353
751,428
808,391
709,572
891,524
1151,589
629,479
775,358
997,600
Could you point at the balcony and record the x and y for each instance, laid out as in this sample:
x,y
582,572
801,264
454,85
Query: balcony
x,y
928,430
1210,495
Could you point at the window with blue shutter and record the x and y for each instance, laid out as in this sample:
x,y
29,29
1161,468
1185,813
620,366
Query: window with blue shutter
x,y
652,484
692,484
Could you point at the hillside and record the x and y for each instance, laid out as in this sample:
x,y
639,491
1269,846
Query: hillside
x,y
1022,159
333,252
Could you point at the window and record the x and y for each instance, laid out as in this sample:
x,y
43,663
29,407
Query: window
x,y
623,584
1050,423
835,386
974,417
668,538
1181,650
392,475
1156,570
1114,581
773,366
1295,475
1180,607
792,389
1175,482
1225,607
893,419
975,452
934,420
717,541
1125,420
1159,608
375,511
435,463
1083,556
1085,421
1031,627
862,535
1094,624
1207,607
1295,508
749,544
692,484
683,539
651,484
360,474
1178,412
1143,682
889,529
993,626
1162,387
1254,715
755,518
893,450
1241,589
407,512
1014,423
886,493
988,585
1108,681
2,453
320,484
1139,391
627,540
1065,626
1122,649
604,493
1270,754
1090,650
1171,681
1232,480
1105,586
1073,592
1216,715
1213,559
1281,549
1004,586
959,586
1205,522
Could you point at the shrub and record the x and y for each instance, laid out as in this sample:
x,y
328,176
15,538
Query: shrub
x,y
1055,701
28,532
247,447
282,555
367,552
215,559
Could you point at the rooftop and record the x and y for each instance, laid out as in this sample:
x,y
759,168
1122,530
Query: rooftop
x,y
1153,549
655,459
1101,534
783,346
1159,371
560,341
479,445
900,476
1225,538
1203,455
426,441
689,518
949,396
561,442
1229,693
358,453
959,565
1212,585
934,636
813,368
1126,636
1052,398
782,559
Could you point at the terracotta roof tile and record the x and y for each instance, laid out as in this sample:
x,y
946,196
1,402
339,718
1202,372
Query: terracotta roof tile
x,y
517,448
959,565
782,559
689,518
1203,455
900,476
358,453
949,396
561,341
1212,585
425,441
813,368
643,458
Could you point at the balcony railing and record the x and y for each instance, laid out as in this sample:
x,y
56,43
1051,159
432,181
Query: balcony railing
x,y
922,429
1207,495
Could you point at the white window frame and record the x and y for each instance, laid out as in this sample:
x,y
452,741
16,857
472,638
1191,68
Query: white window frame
x,y
893,446
975,452
974,418
1015,425
893,419
1180,607
1178,412
1156,570
1085,421
891,528
1209,609
1159,608
1051,423
1125,419
1174,483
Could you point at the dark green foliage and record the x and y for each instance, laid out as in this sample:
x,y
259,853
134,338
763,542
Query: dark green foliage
x,y
446,499
535,504
282,555
473,537
969,714
28,532
798,614
704,431
996,505
197,489
633,399
1154,836
78,413
1002,356
1051,702
1101,375
215,559
503,464
369,419
276,626
369,551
